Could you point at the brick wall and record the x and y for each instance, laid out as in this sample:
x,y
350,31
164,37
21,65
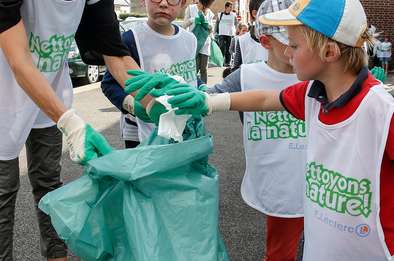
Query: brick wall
x,y
380,13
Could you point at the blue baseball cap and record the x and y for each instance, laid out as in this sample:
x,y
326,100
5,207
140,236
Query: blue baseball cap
x,y
341,20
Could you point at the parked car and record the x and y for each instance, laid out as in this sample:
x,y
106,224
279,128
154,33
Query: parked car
x,y
79,69
129,22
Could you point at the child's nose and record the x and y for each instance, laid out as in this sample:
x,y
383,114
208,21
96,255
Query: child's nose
x,y
163,3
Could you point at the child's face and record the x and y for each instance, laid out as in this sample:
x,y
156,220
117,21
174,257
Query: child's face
x,y
244,30
278,51
164,12
307,64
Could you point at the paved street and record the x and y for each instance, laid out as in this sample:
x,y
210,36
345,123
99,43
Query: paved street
x,y
241,226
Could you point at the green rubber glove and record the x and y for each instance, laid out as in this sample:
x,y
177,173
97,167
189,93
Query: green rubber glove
x,y
154,84
140,112
146,82
84,143
155,111
188,100
203,87
378,73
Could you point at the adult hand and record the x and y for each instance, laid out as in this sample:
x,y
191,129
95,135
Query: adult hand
x,y
84,143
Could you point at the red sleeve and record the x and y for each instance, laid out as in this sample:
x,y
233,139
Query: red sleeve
x,y
390,141
293,99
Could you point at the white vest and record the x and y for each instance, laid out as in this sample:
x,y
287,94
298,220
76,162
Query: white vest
x,y
50,27
251,51
193,11
173,54
226,24
275,149
342,196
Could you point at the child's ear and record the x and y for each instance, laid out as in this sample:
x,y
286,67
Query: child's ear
x,y
265,41
332,52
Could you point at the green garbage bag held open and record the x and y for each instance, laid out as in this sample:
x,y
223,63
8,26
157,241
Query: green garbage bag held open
x,y
200,30
157,202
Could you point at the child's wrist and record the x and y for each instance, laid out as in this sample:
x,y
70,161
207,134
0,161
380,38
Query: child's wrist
x,y
218,102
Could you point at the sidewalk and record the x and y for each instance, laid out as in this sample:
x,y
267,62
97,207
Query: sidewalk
x,y
390,79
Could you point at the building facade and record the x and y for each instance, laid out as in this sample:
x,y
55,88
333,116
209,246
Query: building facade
x,y
380,13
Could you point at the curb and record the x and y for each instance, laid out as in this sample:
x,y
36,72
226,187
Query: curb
x,y
87,88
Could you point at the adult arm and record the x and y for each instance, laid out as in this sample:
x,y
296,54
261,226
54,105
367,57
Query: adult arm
x,y
110,87
14,44
99,41
83,141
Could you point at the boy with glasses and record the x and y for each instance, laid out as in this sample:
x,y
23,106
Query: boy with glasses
x,y
157,46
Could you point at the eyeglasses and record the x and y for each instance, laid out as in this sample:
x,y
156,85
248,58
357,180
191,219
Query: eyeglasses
x,y
170,2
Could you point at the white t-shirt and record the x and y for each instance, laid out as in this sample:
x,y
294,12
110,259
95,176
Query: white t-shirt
x,y
384,50
227,24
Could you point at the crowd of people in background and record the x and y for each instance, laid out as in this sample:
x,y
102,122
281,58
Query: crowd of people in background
x,y
380,50
238,44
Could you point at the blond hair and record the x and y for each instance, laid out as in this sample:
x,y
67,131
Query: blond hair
x,y
354,58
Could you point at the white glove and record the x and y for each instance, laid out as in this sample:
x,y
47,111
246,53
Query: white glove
x,y
84,143
128,104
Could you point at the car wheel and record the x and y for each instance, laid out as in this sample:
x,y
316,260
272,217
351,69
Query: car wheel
x,y
92,74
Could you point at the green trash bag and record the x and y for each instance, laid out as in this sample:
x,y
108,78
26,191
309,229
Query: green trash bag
x,y
156,202
200,31
216,57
